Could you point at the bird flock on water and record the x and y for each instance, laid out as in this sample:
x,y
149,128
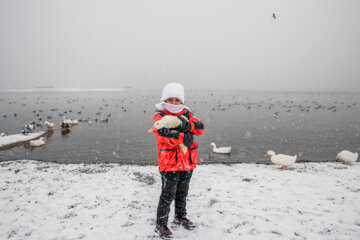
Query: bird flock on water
x,y
276,109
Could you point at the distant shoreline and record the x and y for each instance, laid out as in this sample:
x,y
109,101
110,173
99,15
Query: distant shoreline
x,y
51,89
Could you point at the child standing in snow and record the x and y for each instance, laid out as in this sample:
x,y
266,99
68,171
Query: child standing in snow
x,y
175,166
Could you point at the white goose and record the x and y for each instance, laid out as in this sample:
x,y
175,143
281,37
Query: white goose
x,y
38,142
49,125
281,159
222,150
347,157
169,121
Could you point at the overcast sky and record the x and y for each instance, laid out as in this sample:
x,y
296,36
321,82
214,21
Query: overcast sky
x,y
312,45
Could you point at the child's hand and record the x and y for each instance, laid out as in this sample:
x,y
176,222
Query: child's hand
x,y
185,126
188,139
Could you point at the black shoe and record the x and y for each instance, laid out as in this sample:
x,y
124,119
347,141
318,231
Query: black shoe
x,y
164,232
186,223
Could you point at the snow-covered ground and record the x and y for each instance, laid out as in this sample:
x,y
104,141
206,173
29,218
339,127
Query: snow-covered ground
x,y
245,201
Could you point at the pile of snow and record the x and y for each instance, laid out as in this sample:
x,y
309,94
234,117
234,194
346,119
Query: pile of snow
x,y
244,201
15,138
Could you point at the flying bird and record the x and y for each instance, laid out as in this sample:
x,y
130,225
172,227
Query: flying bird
x,y
274,16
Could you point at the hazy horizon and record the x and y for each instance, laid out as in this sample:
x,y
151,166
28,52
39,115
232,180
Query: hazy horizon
x,y
55,89
311,46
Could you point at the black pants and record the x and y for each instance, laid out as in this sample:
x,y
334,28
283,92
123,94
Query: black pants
x,y
175,185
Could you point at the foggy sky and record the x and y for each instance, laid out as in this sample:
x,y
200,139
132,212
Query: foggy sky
x,y
204,44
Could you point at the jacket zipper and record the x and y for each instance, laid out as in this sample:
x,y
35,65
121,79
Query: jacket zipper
x,y
176,156
190,156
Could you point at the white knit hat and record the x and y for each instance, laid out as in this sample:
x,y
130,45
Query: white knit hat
x,y
175,90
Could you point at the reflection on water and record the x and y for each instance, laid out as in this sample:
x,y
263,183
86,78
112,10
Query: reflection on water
x,y
315,126
65,131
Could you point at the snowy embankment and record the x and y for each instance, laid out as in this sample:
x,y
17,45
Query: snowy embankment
x,y
243,201
19,138
14,140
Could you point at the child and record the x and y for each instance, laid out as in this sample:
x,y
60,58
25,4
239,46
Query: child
x,y
175,166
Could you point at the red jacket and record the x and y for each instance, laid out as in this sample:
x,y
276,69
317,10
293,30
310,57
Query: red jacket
x,y
170,156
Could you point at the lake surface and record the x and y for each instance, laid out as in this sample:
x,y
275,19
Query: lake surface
x,y
315,126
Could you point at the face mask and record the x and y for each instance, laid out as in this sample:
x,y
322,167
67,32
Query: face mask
x,y
173,108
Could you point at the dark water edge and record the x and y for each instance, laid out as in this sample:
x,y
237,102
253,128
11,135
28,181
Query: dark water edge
x,y
4,163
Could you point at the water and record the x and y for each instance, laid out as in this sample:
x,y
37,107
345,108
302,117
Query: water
x,y
315,126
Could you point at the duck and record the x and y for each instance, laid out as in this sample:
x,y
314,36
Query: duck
x,y
75,122
28,128
84,120
31,125
222,150
104,120
347,157
66,123
38,142
49,125
66,120
281,159
170,121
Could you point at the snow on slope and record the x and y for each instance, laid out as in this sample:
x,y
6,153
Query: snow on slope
x,y
11,139
243,201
